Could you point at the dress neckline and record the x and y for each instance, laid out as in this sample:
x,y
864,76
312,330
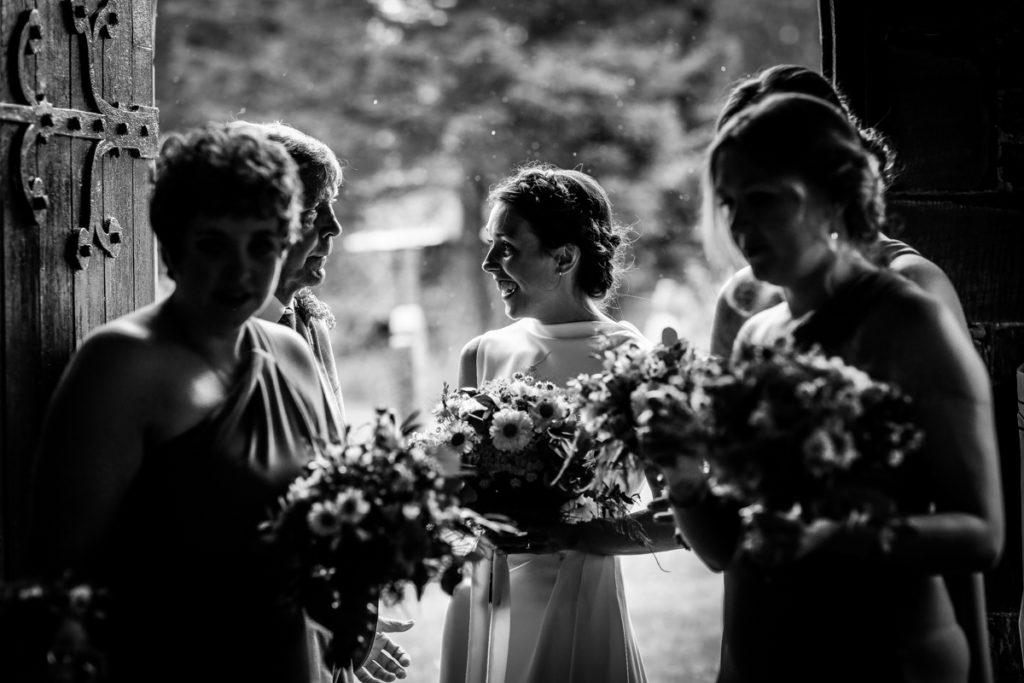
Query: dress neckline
x,y
574,330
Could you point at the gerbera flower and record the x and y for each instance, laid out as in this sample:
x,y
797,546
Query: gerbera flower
x,y
351,506
550,409
511,430
323,519
462,437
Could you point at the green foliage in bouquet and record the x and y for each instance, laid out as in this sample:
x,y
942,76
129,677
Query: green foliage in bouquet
x,y
515,438
636,388
52,631
798,437
366,519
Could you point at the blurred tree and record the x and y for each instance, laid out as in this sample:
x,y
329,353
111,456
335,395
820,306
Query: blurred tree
x,y
417,93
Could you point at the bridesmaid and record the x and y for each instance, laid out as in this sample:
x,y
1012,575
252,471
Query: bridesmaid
x,y
176,427
743,295
802,198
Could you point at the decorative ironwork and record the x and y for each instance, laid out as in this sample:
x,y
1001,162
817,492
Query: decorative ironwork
x,y
112,127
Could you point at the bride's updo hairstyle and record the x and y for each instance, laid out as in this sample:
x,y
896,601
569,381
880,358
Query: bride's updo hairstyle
x,y
569,207
807,138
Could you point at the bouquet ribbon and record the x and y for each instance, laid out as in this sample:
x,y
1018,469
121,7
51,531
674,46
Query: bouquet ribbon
x,y
490,619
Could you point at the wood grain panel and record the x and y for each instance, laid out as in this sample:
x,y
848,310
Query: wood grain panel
x,y
143,34
117,171
23,399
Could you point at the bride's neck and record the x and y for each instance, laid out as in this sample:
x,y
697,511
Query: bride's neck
x,y
582,311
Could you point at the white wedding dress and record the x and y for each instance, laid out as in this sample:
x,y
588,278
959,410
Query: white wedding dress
x,y
529,618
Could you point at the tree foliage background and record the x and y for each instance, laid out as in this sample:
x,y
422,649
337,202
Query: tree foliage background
x,y
441,98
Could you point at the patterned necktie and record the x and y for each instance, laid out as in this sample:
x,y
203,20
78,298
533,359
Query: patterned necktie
x,y
288,317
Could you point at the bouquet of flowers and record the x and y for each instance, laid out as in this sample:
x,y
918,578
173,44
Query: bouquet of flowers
x,y
637,388
52,631
798,438
366,519
515,438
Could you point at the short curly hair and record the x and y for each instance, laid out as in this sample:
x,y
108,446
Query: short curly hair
x,y
569,207
319,168
222,171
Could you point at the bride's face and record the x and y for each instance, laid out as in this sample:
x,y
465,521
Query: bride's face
x,y
525,273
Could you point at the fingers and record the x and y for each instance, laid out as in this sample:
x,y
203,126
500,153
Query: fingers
x,y
398,654
386,625
387,666
380,675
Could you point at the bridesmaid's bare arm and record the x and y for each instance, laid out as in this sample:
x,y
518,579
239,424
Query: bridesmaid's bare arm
x,y
935,362
90,450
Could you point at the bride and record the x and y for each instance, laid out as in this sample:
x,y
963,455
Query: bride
x,y
557,613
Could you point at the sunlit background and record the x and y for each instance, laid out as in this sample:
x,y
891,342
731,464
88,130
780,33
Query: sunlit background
x,y
430,102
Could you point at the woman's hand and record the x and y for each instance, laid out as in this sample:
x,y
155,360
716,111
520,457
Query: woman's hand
x,y
387,660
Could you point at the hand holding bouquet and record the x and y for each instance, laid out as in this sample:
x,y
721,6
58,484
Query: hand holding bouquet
x,y
515,438
806,444
642,395
366,519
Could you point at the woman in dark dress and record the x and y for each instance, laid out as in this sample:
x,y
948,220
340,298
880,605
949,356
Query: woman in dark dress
x,y
176,427
743,295
801,198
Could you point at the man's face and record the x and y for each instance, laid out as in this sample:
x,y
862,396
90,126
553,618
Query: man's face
x,y
304,266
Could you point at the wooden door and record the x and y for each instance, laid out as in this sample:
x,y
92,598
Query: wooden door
x,y
77,133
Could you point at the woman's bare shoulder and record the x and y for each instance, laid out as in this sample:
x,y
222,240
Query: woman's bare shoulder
x,y
914,336
132,341
129,369
932,279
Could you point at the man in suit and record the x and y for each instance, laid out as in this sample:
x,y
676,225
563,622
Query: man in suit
x,y
295,305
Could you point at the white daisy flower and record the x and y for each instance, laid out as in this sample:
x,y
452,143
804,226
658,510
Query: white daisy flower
x,y
511,430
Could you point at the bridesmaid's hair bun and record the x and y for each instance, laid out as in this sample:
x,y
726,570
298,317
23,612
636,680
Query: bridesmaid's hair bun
x,y
569,207
791,78
811,139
